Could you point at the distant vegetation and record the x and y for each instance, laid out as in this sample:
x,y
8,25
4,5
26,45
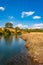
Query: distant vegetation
x,y
9,30
33,30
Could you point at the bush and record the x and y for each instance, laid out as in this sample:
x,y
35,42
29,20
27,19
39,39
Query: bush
x,y
7,32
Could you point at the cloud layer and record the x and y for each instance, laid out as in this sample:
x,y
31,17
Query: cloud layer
x,y
34,26
22,26
40,25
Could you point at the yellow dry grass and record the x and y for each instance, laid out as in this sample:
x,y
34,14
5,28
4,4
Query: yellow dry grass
x,y
34,43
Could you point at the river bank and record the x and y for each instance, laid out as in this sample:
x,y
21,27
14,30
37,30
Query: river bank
x,y
34,44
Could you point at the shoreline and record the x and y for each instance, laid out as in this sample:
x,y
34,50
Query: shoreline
x,y
34,45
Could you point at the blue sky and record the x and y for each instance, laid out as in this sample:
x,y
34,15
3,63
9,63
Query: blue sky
x,y
22,13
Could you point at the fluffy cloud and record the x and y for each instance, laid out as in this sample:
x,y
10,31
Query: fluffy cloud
x,y
34,26
2,8
27,13
11,17
36,17
38,26
22,26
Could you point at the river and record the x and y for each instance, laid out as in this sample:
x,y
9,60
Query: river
x,y
13,51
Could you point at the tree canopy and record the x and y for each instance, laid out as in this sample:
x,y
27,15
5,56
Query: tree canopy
x,y
9,25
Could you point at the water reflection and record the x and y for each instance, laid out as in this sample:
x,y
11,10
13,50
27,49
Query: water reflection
x,y
8,39
0,37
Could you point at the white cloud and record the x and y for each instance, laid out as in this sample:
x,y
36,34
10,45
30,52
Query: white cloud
x,y
19,25
37,17
34,26
11,17
22,26
11,22
27,13
2,8
40,25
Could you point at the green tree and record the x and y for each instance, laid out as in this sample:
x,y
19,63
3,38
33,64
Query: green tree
x,y
17,28
18,31
9,25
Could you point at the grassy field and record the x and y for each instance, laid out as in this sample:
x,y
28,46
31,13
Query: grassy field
x,y
34,44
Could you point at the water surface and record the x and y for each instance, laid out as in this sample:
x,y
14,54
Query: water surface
x,y
13,51
10,47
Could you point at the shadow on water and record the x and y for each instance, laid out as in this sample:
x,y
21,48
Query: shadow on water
x,y
0,37
8,39
15,53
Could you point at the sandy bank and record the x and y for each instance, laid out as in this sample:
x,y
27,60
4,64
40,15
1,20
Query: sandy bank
x,y
34,44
